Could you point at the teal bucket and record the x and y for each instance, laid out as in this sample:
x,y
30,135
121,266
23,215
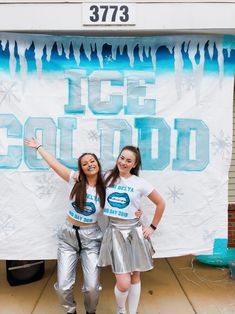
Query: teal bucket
x,y
222,255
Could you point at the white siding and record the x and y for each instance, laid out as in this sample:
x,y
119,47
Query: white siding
x,y
151,17
116,1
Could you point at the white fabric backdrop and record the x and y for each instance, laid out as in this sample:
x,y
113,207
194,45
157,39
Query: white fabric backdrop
x,y
172,96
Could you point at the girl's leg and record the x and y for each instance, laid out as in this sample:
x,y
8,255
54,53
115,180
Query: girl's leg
x,y
66,274
122,286
91,278
134,293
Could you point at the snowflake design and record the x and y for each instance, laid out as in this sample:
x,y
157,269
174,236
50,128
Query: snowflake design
x,y
6,225
93,135
108,58
46,185
174,193
8,92
222,145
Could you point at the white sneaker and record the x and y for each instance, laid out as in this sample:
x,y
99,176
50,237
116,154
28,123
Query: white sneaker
x,y
121,310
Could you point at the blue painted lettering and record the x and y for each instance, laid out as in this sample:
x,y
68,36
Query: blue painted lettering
x,y
115,102
66,127
48,128
108,129
74,92
182,161
136,90
185,160
145,126
13,157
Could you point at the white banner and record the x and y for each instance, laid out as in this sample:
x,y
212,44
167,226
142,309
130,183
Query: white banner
x,y
171,96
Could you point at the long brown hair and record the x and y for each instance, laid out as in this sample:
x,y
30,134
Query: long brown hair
x,y
114,173
80,187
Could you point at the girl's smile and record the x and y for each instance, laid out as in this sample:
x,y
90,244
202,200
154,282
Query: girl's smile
x,y
126,162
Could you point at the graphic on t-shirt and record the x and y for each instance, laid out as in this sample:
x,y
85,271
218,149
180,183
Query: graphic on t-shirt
x,y
88,210
119,200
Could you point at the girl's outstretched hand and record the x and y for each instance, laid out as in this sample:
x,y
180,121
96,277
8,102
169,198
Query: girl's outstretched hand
x,y
52,162
31,142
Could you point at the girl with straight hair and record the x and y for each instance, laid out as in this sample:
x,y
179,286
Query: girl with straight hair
x,y
126,244
80,236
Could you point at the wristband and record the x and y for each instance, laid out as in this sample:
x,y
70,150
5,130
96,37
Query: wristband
x,y
38,147
153,227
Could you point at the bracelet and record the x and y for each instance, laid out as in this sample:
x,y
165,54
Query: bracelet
x,y
38,147
153,227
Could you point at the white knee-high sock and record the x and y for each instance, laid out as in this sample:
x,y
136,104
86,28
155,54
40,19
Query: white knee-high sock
x,y
134,297
121,299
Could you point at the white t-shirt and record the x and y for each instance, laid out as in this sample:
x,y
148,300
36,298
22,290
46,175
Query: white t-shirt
x,y
92,205
123,198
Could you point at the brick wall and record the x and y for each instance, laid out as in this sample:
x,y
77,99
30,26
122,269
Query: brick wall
x,y
231,225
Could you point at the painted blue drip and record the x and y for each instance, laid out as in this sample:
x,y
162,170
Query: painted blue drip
x,y
165,60
197,56
30,58
17,57
164,57
187,64
58,62
211,64
4,57
229,62
121,59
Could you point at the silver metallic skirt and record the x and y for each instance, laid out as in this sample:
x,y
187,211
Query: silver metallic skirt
x,y
125,248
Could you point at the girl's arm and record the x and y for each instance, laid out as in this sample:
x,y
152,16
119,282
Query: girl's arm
x,y
156,198
60,169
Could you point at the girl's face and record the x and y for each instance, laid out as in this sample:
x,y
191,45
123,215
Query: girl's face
x,y
126,161
89,165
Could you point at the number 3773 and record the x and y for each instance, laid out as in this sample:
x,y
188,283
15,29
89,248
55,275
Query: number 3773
x,y
109,14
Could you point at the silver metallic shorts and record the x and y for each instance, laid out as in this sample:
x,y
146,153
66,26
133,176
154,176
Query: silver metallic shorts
x,y
125,248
